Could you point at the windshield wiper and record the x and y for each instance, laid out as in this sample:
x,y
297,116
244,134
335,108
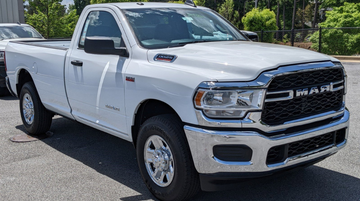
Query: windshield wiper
x,y
189,42
194,41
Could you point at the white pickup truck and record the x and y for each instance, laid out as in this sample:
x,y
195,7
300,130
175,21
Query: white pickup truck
x,y
204,106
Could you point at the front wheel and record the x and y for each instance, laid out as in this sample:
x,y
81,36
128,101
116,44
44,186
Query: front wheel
x,y
35,117
165,160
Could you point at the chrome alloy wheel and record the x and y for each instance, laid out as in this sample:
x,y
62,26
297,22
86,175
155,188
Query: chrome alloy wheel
x,y
159,160
28,109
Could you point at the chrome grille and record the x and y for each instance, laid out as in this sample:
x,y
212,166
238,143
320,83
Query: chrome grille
x,y
281,111
308,78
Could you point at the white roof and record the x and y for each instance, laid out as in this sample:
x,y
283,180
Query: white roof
x,y
134,5
12,24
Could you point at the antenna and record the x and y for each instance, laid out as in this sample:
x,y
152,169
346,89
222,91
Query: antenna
x,y
190,3
18,23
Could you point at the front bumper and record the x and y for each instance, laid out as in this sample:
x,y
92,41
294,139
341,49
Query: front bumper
x,y
202,141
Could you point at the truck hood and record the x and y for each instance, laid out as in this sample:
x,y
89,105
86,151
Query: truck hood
x,y
234,60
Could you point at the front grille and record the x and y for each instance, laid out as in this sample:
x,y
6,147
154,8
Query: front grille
x,y
281,153
309,78
278,112
275,113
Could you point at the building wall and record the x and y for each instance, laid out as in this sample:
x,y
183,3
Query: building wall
x,y
11,11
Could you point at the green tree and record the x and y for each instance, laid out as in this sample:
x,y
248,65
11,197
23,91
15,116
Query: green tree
x,y
200,2
340,41
29,8
335,3
46,17
112,1
305,15
179,2
69,23
227,10
257,20
80,5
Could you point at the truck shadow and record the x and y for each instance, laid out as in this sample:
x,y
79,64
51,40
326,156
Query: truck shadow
x,y
8,98
107,154
116,159
312,183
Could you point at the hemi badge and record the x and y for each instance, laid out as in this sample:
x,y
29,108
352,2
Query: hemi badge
x,y
130,79
165,58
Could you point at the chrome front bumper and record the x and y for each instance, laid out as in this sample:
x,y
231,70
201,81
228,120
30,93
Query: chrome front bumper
x,y
202,141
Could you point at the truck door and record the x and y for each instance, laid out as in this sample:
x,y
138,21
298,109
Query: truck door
x,y
94,82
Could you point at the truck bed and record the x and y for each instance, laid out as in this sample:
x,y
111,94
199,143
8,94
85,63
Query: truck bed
x,y
52,43
45,61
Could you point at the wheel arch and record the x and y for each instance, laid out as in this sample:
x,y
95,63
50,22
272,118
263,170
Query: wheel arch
x,y
23,77
147,109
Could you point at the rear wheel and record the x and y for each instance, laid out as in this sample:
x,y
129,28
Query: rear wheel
x,y
35,117
165,160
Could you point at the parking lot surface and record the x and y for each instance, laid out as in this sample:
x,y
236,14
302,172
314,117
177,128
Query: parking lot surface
x,y
81,163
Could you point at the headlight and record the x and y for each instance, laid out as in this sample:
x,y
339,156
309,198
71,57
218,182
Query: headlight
x,y
2,56
228,103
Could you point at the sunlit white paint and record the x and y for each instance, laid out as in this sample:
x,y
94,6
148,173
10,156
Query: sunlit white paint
x,y
101,85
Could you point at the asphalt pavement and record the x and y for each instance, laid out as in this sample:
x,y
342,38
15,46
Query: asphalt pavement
x,y
81,163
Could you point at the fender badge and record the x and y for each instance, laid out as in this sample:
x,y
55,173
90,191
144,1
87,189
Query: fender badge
x,y
130,79
165,58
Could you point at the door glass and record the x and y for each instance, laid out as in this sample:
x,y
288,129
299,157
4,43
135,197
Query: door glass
x,y
101,24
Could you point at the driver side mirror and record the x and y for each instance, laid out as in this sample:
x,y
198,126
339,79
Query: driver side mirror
x,y
103,45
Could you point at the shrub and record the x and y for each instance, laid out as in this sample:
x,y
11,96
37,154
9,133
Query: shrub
x,y
257,20
340,41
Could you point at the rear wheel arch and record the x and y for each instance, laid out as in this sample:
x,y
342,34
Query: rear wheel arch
x,y
22,78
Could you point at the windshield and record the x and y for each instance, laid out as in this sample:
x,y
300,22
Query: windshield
x,y
12,32
173,27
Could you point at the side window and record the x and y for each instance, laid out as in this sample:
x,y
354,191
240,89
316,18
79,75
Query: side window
x,y
102,24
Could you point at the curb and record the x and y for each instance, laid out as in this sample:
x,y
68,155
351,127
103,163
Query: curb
x,y
347,58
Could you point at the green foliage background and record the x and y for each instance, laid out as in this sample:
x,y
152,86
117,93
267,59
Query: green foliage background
x,y
340,41
79,5
53,20
233,10
50,18
256,20
227,10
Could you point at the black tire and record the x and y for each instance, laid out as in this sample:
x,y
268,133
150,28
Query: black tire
x,y
41,119
185,181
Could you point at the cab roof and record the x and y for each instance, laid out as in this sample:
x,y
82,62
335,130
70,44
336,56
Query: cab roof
x,y
135,5
12,24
